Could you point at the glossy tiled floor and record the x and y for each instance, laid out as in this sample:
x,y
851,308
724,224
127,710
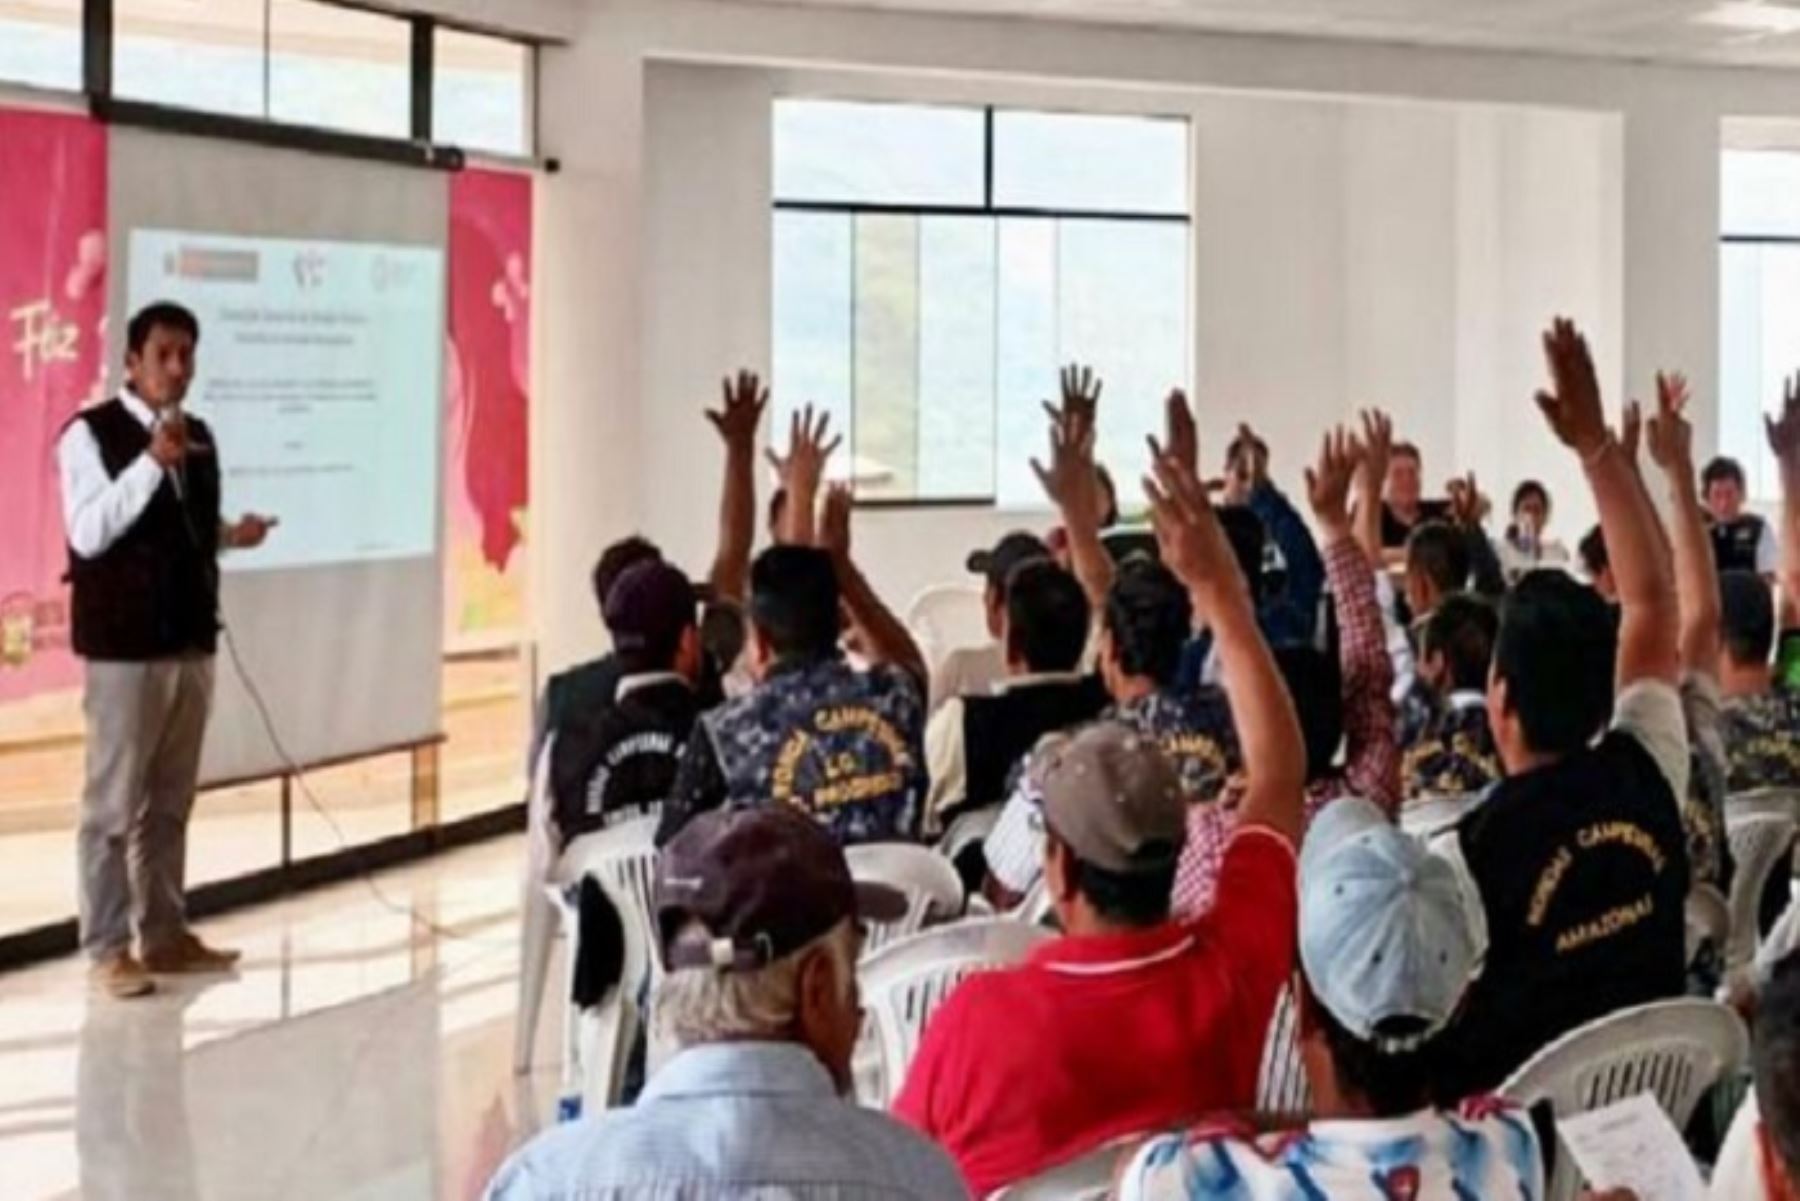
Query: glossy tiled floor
x,y
359,1054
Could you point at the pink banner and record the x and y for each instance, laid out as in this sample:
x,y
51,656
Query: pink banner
x,y
52,361
488,390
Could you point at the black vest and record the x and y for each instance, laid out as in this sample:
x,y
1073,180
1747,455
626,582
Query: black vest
x,y
154,593
1735,542
1000,730
618,761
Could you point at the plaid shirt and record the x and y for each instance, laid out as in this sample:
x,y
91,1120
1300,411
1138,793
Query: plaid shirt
x,y
1372,750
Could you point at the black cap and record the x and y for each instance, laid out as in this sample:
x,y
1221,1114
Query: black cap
x,y
1016,548
763,883
649,605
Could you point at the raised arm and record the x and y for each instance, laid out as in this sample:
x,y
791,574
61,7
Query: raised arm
x,y
1671,442
1378,445
1072,482
1371,740
801,472
1287,529
1195,548
885,637
1649,614
1784,440
737,421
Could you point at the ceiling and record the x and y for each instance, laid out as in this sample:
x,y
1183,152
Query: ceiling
x,y
1738,32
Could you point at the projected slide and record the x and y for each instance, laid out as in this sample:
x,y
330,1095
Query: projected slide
x,y
320,370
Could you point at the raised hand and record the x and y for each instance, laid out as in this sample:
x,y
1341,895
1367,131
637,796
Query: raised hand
x,y
1670,435
802,468
1468,507
1631,430
1080,406
1328,483
1070,480
1180,434
1784,431
1377,444
1188,535
737,418
834,522
1572,405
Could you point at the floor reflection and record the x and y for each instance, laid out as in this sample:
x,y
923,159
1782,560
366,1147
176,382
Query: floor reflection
x,y
360,1053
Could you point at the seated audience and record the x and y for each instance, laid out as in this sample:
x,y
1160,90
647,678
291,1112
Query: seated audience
x,y
1130,1021
1288,610
1578,854
1525,547
975,745
1340,701
1741,541
1388,949
815,734
1143,628
1670,441
976,670
618,759
758,923
1453,752
1760,1160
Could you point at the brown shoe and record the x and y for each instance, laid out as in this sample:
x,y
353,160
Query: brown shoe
x,y
120,977
187,955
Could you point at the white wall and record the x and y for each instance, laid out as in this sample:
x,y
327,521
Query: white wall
x,y
1612,217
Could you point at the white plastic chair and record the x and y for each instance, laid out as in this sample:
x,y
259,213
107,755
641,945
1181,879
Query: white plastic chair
x,y
1087,1178
1708,919
622,860
1674,1050
1760,843
933,890
1754,802
1282,1086
967,828
905,982
946,616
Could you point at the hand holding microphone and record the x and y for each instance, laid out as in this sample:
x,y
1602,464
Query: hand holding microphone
x,y
169,438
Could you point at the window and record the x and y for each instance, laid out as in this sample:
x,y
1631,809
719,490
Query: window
x,y
187,55
933,268
1759,303
481,93
338,68
40,43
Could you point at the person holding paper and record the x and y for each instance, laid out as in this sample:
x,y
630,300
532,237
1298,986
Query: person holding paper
x,y
141,507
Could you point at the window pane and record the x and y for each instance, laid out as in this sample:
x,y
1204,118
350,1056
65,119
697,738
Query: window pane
x,y
481,93
1026,369
957,297
1759,192
339,69
885,421
827,150
40,42
1090,163
180,53
1759,343
812,275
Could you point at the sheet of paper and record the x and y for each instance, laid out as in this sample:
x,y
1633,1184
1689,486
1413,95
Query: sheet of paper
x,y
1633,1144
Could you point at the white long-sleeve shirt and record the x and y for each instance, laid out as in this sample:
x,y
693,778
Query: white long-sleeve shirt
x,y
99,508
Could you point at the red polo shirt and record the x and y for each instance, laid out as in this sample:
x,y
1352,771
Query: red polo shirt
x,y
1094,1038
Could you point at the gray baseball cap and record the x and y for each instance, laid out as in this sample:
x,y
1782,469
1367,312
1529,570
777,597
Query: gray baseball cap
x,y
1386,928
1113,796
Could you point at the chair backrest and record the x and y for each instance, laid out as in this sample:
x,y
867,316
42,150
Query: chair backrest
x,y
1282,1087
1753,802
1431,815
933,889
945,617
905,982
1760,843
1087,1178
606,1032
1676,1050
623,859
1708,920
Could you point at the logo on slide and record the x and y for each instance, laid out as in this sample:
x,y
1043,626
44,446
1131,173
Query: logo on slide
x,y
309,270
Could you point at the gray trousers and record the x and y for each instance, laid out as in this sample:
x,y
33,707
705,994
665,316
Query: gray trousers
x,y
145,725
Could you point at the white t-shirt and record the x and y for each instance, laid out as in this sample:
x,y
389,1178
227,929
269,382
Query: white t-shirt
x,y
968,671
1487,1149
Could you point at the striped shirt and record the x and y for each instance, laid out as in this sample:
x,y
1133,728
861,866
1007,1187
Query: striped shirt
x,y
732,1122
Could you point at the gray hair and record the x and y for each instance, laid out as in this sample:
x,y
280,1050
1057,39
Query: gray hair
x,y
703,1005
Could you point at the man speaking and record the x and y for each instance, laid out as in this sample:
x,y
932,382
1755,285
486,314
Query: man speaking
x,y
140,491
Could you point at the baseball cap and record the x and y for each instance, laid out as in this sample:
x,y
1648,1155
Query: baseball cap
x,y
1015,548
763,882
1114,798
649,605
1386,929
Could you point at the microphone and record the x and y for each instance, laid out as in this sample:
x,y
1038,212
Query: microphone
x,y
171,414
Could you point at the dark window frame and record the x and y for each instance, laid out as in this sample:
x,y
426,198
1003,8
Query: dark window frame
x,y
986,209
